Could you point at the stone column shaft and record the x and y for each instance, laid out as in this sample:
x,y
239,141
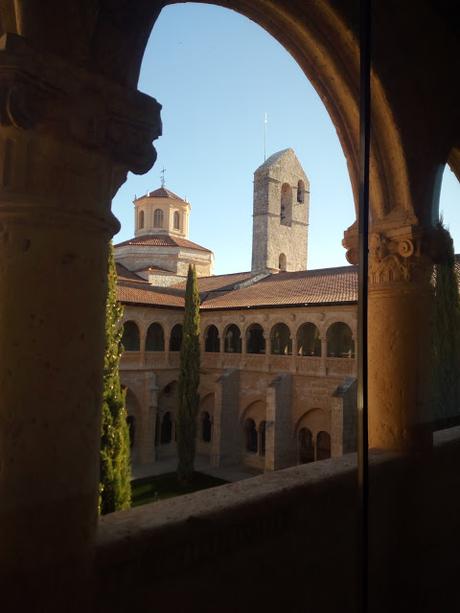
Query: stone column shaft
x,y
67,140
399,339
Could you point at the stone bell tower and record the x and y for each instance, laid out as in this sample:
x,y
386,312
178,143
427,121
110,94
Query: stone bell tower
x,y
280,214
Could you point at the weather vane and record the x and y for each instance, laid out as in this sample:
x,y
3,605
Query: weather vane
x,y
163,170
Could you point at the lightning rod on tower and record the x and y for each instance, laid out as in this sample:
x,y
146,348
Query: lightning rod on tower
x,y
265,135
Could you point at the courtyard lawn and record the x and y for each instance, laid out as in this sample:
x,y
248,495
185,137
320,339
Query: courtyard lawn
x,y
159,487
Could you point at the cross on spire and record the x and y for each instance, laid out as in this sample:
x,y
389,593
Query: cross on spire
x,y
163,170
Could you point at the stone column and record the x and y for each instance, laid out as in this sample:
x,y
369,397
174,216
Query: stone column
x,y
399,333
67,139
323,354
294,354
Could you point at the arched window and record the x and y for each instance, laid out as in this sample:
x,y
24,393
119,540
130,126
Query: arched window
x,y
175,340
255,341
176,220
250,435
232,341
206,427
340,343
158,218
212,340
282,262
286,205
323,446
131,421
131,338
166,429
155,340
262,437
300,192
308,341
281,343
141,219
306,450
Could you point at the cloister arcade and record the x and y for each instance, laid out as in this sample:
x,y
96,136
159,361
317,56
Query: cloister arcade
x,y
339,338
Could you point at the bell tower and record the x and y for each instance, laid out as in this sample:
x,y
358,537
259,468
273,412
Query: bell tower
x,y
280,214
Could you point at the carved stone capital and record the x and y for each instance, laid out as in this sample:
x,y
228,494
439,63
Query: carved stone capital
x,y
393,259
47,94
397,255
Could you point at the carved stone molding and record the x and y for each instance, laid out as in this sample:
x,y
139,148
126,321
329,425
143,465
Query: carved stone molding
x,y
399,255
47,94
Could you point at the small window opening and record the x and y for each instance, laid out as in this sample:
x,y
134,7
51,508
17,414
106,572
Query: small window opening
x,y
158,218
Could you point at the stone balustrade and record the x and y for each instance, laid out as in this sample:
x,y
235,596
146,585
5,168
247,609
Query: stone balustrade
x,y
301,365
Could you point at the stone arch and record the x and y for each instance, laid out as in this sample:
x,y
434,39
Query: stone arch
x,y
232,339
256,410
326,47
155,339
454,161
323,445
206,427
141,219
131,339
205,421
166,429
282,262
168,390
286,205
340,343
158,218
315,419
250,436
255,339
262,437
211,339
175,338
280,339
305,446
167,406
308,340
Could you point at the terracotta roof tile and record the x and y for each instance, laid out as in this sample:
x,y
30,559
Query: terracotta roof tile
x,y
327,285
161,240
219,282
162,192
128,275
132,293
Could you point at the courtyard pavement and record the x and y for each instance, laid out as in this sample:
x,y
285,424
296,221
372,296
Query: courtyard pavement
x,y
202,465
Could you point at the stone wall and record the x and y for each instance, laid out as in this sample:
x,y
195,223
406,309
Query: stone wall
x,y
289,539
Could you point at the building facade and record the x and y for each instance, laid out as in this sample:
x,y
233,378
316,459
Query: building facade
x,y
277,343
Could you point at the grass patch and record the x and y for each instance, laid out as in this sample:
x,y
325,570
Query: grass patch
x,y
151,489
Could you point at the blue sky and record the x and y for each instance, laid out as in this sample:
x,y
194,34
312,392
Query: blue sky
x,y
216,74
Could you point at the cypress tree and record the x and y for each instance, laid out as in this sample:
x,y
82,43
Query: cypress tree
x,y
189,379
115,469
446,332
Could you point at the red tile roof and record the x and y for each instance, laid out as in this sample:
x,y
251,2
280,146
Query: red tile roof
x,y
219,282
127,275
312,287
324,286
162,240
132,293
162,192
